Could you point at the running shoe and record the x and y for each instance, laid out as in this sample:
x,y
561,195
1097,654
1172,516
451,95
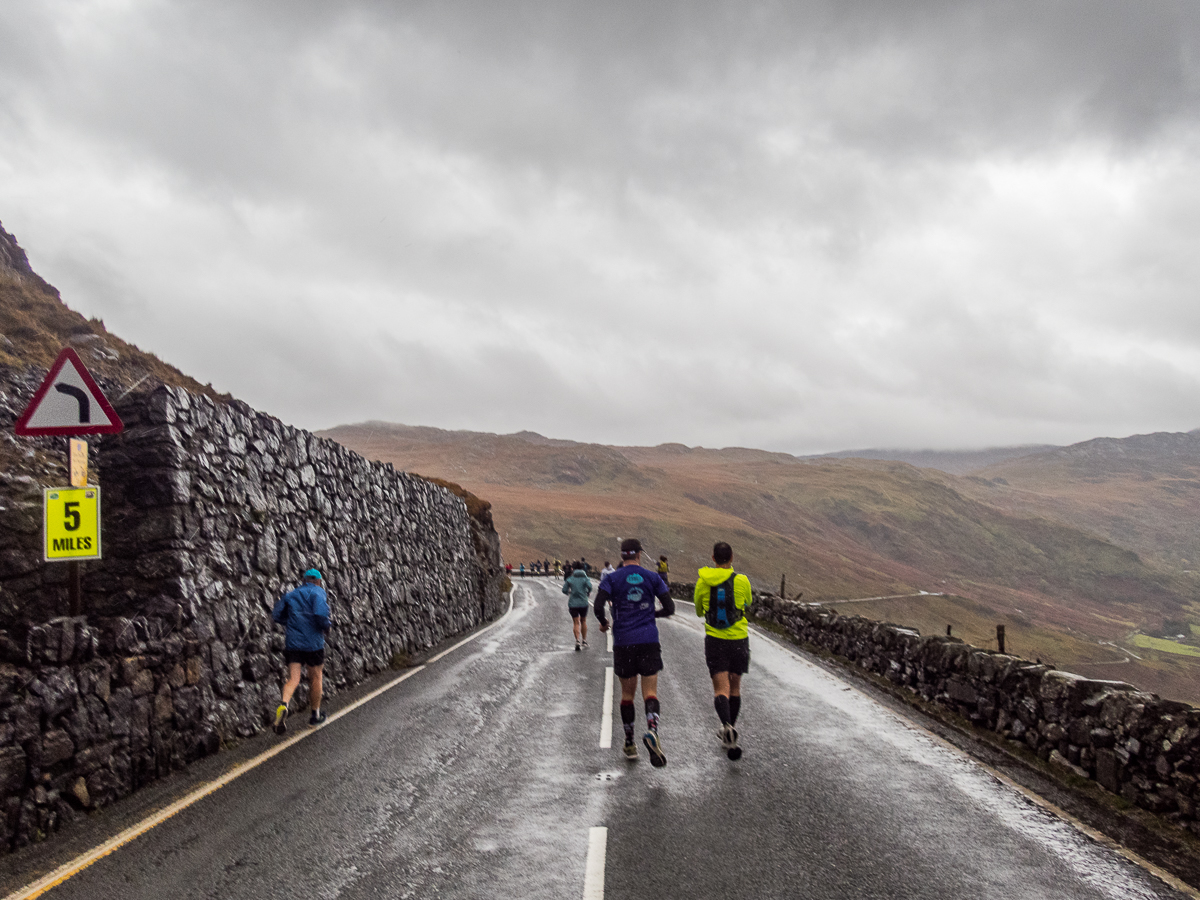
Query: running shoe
x,y
578,646
658,759
630,750
281,718
585,643
733,751
317,718
725,735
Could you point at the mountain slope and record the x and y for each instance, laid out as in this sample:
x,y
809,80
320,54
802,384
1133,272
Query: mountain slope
x,y
844,528
1140,492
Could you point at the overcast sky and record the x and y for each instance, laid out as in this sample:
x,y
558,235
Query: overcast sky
x,y
796,226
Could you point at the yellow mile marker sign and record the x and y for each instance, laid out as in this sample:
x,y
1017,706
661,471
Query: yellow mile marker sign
x,y
72,517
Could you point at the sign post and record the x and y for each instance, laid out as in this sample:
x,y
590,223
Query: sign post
x,y
70,403
79,473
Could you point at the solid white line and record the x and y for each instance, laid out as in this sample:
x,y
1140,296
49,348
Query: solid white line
x,y
606,726
593,876
610,644
77,865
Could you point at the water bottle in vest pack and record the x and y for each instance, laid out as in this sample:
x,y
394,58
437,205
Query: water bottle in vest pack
x,y
722,608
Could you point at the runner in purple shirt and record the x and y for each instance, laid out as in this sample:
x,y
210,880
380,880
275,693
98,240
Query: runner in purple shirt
x,y
632,590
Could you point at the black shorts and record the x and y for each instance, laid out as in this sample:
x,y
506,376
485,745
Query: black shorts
x,y
723,655
637,659
305,657
578,612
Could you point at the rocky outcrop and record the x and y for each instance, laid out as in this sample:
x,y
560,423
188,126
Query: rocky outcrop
x,y
210,512
1132,743
12,258
15,263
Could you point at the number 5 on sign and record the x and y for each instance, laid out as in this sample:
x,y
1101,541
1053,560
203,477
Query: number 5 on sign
x,y
72,517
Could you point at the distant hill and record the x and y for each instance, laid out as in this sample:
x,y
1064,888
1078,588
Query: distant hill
x,y
955,462
841,528
1140,492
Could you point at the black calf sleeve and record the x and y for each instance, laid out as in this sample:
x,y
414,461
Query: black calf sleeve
x,y
721,702
627,714
651,706
735,703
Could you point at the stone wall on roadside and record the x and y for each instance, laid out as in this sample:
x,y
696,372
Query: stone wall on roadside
x,y
209,512
1132,743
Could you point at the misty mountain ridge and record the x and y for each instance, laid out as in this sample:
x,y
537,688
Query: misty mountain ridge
x,y
1101,454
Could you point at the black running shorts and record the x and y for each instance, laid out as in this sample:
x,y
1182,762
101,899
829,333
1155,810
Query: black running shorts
x,y
305,657
723,655
578,612
637,659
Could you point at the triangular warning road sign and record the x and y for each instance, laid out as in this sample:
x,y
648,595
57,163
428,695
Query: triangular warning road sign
x,y
68,402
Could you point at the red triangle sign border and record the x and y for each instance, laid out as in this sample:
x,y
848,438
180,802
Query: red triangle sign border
x,y
68,355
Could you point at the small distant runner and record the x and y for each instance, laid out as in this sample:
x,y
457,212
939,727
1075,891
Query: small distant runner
x,y
304,613
607,570
722,597
579,587
632,590
664,571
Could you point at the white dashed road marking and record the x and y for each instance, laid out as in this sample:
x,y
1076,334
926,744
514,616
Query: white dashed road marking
x,y
593,878
606,725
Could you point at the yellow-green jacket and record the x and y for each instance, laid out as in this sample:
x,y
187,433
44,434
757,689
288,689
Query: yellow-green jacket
x,y
708,578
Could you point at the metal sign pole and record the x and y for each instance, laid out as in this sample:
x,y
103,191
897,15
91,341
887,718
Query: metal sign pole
x,y
75,587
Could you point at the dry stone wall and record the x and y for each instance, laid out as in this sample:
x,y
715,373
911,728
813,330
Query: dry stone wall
x,y
210,511
1132,743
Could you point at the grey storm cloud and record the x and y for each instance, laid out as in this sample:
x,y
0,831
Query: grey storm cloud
x,y
801,226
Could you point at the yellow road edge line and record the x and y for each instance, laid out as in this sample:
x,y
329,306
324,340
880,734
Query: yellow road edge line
x,y
81,862
1098,836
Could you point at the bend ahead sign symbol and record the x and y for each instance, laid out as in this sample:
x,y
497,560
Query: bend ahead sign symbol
x,y
85,414
68,401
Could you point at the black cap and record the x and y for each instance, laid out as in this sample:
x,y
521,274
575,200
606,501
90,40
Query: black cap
x,y
630,547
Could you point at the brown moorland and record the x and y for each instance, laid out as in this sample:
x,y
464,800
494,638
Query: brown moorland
x,y
840,529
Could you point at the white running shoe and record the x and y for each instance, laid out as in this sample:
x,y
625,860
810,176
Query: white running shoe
x,y
733,751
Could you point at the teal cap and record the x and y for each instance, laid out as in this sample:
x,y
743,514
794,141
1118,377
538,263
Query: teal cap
x,y
312,573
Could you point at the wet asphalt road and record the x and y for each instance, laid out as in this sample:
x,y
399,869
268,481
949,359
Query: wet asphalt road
x,y
482,775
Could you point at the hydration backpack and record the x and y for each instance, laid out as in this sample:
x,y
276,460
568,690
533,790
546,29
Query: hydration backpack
x,y
722,608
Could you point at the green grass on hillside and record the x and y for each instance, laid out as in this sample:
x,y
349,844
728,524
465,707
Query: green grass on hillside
x,y
1166,646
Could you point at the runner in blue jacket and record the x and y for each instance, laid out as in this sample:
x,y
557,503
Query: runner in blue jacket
x,y
304,613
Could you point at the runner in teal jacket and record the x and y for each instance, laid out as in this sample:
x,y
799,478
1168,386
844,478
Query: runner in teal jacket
x,y
579,587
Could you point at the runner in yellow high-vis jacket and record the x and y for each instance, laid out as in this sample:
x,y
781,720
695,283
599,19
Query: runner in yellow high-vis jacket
x,y
722,599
